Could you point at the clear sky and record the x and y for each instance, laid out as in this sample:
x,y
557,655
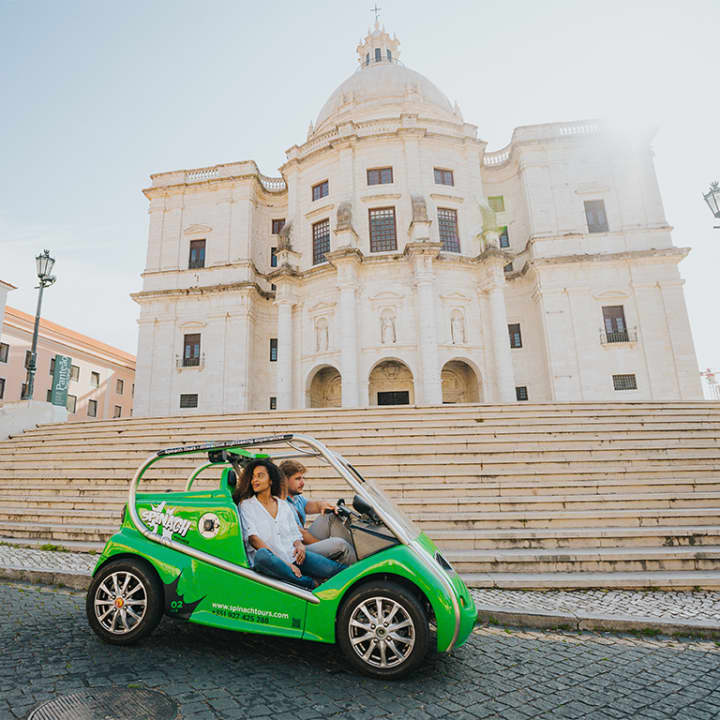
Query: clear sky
x,y
96,95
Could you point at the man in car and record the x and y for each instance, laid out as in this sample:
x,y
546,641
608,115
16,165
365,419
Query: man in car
x,y
319,535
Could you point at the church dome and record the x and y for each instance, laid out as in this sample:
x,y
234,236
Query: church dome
x,y
382,87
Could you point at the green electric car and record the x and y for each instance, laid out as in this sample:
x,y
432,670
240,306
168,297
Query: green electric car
x,y
182,553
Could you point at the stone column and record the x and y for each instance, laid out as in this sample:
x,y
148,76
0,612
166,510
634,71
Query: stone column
x,y
284,361
421,255
499,338
346,263
238,356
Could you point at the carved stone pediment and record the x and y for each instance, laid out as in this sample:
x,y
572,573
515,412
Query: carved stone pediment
x,y
456,297
323,306
614,294
197,230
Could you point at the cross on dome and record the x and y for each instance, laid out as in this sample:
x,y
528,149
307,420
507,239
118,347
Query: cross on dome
x,y
378,47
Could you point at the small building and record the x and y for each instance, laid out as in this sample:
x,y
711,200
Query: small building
x,y
5,288
398,261
102,377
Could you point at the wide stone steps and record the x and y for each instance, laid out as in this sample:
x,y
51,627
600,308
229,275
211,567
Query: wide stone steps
x,y
629,538
704,557
448,505
649,580
508,491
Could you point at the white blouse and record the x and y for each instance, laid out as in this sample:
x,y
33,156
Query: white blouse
x,y
278,533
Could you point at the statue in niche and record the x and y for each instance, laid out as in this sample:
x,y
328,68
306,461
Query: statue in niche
x,y
344,216
419,209
285,236
457,328
388,334
321,335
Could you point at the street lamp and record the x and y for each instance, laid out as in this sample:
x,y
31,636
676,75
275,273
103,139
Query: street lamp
x,y
44,264
712,198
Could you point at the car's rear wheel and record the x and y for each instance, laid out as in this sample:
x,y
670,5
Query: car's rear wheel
x,y
124,602
383,630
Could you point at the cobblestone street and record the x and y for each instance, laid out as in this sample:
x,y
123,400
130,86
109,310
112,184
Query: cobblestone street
x,y
49,650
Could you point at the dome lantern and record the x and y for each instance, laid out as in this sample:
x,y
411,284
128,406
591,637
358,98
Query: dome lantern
x,y
378,47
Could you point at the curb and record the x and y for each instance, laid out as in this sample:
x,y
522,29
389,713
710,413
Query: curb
x,y
547,619
75,581
489,614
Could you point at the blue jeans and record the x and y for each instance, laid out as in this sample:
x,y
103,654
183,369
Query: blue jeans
x,y
315,566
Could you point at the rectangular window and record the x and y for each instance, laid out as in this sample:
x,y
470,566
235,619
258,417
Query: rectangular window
x,y
515,336
504,238
624,382
119,387
28,356
71,403
197,254
4,350
521,392
614,323
444,177
320,190
189,400
52,366
595,215
393,397
191,350
273,349
497,203
448,228
117,412
48,396
508,267
277,225
273,257
92,408
2,388
273,287
380,176
321,241
94,379
378,54
74,372
273,402
23,391
383,234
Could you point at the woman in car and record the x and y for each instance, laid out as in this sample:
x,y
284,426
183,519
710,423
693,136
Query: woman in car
x,y
271,533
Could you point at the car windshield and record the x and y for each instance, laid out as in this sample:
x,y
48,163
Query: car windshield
x,y
382,501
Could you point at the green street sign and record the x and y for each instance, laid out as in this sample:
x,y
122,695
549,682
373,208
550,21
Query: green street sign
x,y
61,380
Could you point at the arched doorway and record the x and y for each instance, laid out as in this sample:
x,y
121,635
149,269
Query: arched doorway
x,y
459,383
391,383
326,388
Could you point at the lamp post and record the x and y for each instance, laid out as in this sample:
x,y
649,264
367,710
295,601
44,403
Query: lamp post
x,y
712,198
44,265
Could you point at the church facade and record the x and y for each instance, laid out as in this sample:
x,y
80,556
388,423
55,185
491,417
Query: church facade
x,y
397,261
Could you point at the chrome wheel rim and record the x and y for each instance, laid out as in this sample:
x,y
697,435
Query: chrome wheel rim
x,y
120,602
381,632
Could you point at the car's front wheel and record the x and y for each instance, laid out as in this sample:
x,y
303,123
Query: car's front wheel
x,y
383,629
124,602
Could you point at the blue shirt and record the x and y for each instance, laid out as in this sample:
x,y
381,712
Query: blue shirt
x,y
298,503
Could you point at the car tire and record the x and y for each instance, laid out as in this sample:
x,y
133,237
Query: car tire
x,y
125,601
383,629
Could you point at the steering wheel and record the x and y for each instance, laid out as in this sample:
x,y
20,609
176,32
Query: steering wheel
x,y
343,510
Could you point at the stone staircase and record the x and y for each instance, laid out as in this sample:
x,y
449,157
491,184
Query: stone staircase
x,y
523,495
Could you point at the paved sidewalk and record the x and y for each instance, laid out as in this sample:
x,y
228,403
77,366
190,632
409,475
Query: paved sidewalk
x,y
622,610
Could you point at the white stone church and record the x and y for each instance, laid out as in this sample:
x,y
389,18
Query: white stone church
x,y
397,261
